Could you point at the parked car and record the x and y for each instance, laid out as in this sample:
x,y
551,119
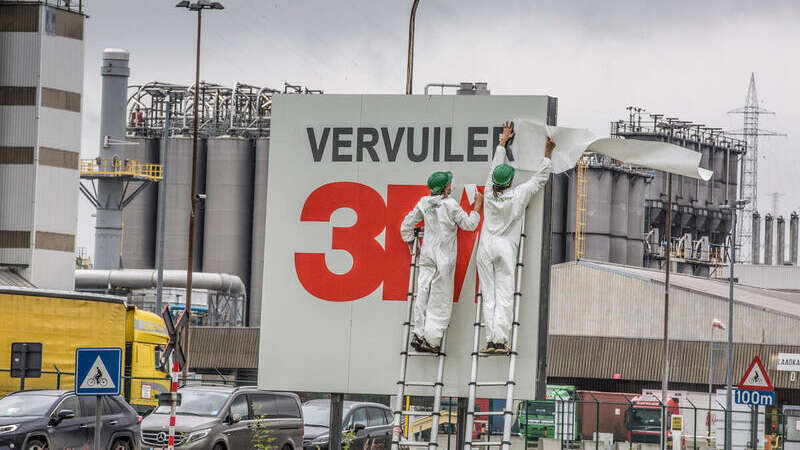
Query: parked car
x,y
370,423
50,419
227,418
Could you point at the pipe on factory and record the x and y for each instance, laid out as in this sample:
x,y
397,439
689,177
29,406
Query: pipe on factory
x,y
144,279
793,238
756,241
768,230
781,241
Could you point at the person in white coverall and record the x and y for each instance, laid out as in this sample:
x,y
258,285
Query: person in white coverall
x,y
437,260
499,241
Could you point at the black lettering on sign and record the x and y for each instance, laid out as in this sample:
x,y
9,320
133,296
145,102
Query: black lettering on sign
x,y
410,145
339,144
474,143
392,147
317,148
448,146
366,139
437,136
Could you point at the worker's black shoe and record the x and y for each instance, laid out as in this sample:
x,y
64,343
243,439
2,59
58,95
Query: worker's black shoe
x,y
428,348
489,348
416,343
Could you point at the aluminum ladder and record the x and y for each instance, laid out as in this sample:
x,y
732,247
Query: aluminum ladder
x,y
402,383
508,411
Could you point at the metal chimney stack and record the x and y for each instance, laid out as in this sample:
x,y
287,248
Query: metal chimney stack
x,y
768,229
108,228
793,238
756,253
781,240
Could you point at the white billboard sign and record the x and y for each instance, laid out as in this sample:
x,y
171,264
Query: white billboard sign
x,y
343,172
789,362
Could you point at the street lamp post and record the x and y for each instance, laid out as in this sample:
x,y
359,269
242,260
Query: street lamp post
x,y
410,66
716,323
198,6
738,204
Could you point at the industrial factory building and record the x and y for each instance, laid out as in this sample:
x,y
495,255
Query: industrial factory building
x,y
606,330
41,82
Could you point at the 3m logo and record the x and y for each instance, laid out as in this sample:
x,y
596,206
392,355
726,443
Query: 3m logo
x,y
372,263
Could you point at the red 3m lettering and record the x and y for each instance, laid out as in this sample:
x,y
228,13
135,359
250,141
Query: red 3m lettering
x,y
466,242
372,265
359,240
401,200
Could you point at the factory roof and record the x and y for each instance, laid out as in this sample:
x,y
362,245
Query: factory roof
x,y
779,302
10,277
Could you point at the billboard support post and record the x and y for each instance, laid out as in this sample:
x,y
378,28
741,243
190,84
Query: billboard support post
x,y
335,436
461,420
544,283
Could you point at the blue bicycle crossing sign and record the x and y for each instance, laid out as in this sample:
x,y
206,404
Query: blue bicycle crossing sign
x,y
98,371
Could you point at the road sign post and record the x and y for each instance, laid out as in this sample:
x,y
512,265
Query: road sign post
x,y
174,349
98,372
755,389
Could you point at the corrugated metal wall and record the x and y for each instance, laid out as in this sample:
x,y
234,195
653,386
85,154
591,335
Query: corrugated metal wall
x,y
586,301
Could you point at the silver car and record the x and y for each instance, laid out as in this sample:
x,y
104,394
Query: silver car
x,y
228,418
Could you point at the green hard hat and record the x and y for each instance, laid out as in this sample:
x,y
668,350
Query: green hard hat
x,y
438,181
502,175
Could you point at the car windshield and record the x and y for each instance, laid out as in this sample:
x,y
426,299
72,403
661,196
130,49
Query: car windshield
x,y
26,405
318,414
646,417
198,403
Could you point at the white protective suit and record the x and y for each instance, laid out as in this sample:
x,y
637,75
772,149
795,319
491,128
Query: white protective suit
x,y
499,244
437,262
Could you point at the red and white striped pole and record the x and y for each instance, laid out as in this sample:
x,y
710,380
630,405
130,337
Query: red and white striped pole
x,y
174,393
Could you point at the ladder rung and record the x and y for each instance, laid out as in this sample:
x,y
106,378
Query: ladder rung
x,y
487,355
416,444
490,383
424,354
489,413
421,383
417,413
487,444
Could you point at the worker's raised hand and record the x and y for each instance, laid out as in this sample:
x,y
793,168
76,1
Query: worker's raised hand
x,y
478,205
549,146
508,133
410,247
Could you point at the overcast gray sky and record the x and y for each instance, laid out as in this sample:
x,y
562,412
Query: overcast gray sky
x,y
687,59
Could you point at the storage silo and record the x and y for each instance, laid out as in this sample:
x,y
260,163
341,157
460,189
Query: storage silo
x,y
635,242
178,176
702,189
618,222
598,214
768,231
733,184
718,160
559,218
228,218
569,225
139,217
780,241
259,225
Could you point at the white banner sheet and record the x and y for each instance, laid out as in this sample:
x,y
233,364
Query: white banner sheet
x,y
572,142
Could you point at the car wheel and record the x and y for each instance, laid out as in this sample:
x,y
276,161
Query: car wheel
x,y
121,444
36,445
219,447
287,447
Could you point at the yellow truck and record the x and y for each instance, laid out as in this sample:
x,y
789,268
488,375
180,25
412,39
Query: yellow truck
x,y
62,321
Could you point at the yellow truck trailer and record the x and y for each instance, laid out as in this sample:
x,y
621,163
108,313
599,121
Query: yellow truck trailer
x,y
65,320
